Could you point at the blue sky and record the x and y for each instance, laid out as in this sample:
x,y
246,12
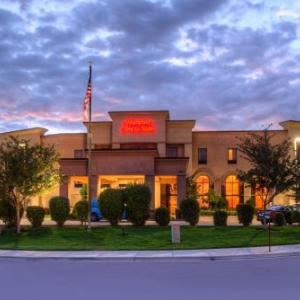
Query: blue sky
x,y
228,64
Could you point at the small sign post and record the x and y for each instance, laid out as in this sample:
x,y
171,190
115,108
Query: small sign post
x,y
175,232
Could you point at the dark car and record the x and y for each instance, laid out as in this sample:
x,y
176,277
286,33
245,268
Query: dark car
x,y
269,214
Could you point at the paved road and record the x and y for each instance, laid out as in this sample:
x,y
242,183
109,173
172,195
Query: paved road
x,y
262,278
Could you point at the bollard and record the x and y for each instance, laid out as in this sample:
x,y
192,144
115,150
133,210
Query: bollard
x,y
175,232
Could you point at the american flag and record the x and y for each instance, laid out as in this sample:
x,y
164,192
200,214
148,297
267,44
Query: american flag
x,y
88,100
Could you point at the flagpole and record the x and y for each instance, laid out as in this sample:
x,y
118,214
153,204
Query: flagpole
x,y
90,153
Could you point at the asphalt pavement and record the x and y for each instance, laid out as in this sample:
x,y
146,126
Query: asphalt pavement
x,y
257,278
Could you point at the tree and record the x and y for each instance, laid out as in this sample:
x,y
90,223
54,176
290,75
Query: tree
x,y
295,167
270,170
191,188
26,170
84,192
215,202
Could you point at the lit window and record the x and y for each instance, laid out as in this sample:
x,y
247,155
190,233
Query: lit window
x,y
202,155
261,194
232,191
232,155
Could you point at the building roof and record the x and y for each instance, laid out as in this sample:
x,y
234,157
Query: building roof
x,y
40,130
140,112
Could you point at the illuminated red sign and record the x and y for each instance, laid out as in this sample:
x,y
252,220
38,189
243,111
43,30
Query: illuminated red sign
x,y
135,126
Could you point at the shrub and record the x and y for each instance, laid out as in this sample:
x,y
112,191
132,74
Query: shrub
x,y
35,215
81,211
215,202
220,218
138,203
111,205
279,219
8,212
162,216
245,213
296,217
59,210
190,210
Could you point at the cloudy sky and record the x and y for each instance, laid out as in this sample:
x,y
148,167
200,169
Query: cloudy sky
x,y
229,64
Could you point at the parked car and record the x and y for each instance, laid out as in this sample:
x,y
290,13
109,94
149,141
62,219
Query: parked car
x,y
295,207
96,214
269,214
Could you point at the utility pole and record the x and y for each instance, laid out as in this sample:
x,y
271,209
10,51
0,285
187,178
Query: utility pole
x,y
89,144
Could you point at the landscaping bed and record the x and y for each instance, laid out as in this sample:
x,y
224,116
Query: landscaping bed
x,y
145,238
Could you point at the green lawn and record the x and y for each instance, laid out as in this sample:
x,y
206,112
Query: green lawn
x,y
147,238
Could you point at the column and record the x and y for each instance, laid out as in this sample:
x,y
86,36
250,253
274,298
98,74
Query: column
x,y
63,188
181,188
150,182
94,182
218,186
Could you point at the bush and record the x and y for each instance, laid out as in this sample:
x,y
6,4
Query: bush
x,y
279,219
138,203
111,205
59,210
162,216
190,210
8,212
35,215
296,217
81,211
245,213
220,218
215,202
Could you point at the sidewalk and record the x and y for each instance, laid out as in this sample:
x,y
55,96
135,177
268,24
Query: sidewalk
x,y
167,255
204,221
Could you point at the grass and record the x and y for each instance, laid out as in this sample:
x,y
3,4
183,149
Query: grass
x,y
147,238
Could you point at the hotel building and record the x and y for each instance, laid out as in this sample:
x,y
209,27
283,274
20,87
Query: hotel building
x,y
149,147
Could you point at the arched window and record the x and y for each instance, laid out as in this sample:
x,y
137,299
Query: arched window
x,y
261,194
202,188
232,191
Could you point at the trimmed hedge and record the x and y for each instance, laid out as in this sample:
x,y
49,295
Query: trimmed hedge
x,y
245,213
220,218
190,211
111,205
162,216
8,212
35,215
59,210
81,211
138,203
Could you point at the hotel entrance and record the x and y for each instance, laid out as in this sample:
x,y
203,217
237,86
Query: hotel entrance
x,y
118,181
166,193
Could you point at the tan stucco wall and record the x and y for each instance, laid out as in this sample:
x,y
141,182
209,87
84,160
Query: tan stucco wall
x,y
217,167
101,133
217,143
33,135
179,132
66,143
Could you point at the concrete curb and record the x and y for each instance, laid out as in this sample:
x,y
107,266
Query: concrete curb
x,y
165,255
